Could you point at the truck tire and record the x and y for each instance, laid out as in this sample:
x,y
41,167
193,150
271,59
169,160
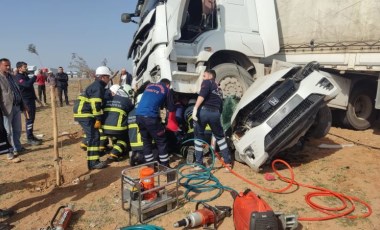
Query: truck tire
x,y
322,123
360,112
233,79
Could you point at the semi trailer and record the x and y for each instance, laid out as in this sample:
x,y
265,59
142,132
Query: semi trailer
x,y
285,61
242,39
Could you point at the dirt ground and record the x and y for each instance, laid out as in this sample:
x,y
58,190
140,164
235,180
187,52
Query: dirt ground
x,y
29,187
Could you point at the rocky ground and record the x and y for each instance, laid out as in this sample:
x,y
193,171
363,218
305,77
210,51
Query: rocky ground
x,y
30,187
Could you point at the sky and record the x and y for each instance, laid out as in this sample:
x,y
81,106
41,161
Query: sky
x,y
90,28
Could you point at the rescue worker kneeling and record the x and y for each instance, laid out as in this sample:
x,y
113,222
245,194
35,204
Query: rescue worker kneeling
x,y
136,157
116,121
88,113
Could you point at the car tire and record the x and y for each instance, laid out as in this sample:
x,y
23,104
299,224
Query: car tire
x,y
322,123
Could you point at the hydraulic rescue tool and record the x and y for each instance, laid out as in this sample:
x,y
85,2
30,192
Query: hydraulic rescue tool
x,y
205,216
253,213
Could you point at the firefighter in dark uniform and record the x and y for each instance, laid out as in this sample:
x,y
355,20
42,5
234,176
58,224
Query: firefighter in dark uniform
x,y
88,113
135,140
115,121
209,103
155,96
29,97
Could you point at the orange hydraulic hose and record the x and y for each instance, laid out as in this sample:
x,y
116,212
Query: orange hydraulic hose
x,y
345,210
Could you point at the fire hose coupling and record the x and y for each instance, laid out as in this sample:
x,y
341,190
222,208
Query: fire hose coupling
x,y
205,216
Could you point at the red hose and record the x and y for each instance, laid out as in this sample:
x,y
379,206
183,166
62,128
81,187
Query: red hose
x,y
348,202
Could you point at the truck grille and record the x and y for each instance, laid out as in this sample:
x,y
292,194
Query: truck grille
x,y
286,128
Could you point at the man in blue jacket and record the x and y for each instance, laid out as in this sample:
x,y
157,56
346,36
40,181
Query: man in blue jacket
x,y
155,96
28,94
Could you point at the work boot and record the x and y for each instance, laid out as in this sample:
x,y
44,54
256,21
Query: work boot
x,y
32,141
97,165
37,139
6,213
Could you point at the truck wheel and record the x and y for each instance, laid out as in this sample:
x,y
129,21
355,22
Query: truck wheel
x,y
233,79
322,123
360,112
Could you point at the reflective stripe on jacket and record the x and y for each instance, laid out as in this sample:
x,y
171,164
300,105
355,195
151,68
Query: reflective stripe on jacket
x,y
89,103
115,118
134,132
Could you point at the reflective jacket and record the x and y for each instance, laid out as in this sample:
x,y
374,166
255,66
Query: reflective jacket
x,y
89,103
134,132
115,118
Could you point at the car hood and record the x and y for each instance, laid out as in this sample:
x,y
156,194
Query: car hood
x,y
258,87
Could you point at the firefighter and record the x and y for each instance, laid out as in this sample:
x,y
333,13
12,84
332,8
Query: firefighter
x,y
137,156
88,113
116,120
155,96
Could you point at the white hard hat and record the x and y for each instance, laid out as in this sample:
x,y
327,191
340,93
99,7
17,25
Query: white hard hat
x,y
128,89
103,70
114,88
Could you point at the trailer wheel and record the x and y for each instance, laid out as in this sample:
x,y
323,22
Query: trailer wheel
x,y
322,123
360,112
233,79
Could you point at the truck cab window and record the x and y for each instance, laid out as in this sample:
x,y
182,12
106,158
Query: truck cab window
x,y
200,17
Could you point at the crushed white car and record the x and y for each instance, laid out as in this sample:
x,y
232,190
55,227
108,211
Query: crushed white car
x,y
280,108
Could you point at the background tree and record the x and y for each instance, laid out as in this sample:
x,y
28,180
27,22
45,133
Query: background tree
x,y
78,63
32,49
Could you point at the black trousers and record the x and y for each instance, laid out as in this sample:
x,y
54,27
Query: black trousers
x,y
151,129
29,121
42,92
93,141
63,89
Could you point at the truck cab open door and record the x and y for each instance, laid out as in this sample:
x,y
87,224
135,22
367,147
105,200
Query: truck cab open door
x,y
174,12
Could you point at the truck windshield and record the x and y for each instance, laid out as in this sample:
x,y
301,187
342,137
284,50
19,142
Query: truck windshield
x,y
148,6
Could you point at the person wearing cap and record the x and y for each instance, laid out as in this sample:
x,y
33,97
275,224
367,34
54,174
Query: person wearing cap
x,y
28,94
155,96
115,121
88,113
209,104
